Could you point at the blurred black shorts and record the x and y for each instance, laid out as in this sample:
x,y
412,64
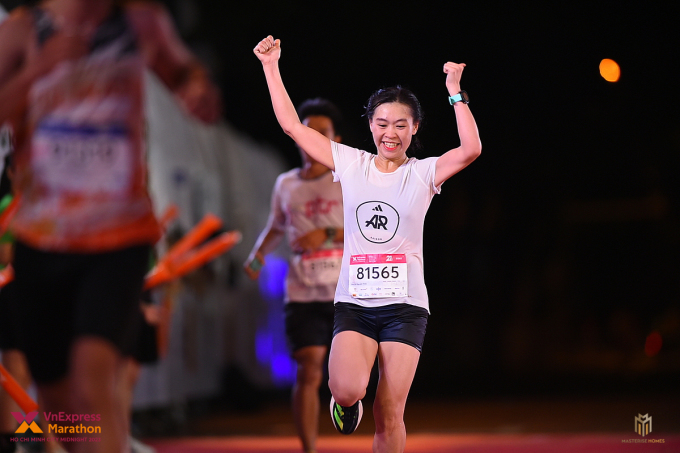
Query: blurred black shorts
x,y
65,296
309,324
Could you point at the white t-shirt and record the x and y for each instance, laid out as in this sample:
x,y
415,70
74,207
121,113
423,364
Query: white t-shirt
x,y
299,206
384,215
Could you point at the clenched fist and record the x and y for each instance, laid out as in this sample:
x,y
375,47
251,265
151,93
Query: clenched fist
x,y
268,50
453,72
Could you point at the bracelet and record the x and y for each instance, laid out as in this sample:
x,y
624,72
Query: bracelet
x,y
462,96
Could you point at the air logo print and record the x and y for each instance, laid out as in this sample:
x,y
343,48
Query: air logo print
x,y
377,221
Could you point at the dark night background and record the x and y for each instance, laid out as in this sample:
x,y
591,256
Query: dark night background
x,y
555,254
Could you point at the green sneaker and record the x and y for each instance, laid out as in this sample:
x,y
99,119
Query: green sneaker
x,y
346,419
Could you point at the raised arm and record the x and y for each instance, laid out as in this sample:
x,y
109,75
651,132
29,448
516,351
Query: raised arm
x,y
318,146
170,59
470,147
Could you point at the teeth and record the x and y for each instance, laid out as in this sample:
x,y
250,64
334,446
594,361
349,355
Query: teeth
x,y
390,144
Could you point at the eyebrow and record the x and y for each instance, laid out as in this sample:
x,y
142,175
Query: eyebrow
x,y
385,119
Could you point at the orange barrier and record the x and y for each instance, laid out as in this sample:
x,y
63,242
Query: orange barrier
x,y
207,252
17,393
158,275
164,270
178,265
199,233
168,216
6,275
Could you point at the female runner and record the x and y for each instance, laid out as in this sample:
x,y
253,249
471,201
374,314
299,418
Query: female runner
x,y
381,304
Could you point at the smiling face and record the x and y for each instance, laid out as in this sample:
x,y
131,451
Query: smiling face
x,y
393,127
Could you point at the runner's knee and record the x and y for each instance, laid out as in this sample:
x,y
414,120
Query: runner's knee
x,y
388,418
347,390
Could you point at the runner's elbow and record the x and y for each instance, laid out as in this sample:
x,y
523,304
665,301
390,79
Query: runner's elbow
x,y
474,151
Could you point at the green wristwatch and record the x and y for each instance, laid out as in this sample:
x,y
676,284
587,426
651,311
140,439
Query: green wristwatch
x,y
460,97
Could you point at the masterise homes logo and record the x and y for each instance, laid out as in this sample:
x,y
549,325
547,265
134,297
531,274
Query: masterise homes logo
x,y
643,428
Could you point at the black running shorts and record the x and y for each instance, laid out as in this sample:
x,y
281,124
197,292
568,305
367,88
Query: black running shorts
x,y
65,296
402,323
145,350
309,324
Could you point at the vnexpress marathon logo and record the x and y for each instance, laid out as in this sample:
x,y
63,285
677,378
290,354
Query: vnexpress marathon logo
x,y
643,427
72,418
58,423
27,422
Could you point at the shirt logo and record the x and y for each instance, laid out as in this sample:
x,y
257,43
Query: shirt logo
x,y
319,206
377,221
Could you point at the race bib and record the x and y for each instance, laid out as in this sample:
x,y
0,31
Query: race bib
x,y
319,268
378,276
83,159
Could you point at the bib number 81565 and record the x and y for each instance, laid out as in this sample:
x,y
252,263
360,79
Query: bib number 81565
x,y
374,272
378,276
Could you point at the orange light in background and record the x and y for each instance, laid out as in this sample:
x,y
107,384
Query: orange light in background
x,y
609,70
653,344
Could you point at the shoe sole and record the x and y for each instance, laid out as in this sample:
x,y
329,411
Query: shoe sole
x,y
361,413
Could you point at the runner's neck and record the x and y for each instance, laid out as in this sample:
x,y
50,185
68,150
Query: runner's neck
x,y
312,170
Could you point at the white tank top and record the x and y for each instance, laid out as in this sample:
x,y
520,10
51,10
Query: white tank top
x,y
384,218
81,173
298,207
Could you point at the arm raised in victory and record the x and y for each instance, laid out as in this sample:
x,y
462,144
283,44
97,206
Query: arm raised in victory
x,y
470,147
268,51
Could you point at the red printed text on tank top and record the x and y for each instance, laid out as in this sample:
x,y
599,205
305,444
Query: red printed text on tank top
x,y
319,206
